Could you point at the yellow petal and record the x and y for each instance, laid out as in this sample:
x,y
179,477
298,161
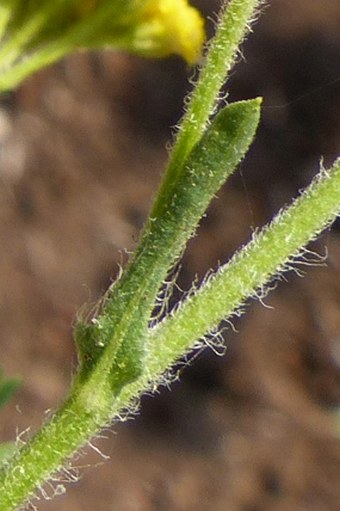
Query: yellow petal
x,y
179,26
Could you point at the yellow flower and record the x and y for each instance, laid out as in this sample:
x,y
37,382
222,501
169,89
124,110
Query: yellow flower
x,y
151,28
168,27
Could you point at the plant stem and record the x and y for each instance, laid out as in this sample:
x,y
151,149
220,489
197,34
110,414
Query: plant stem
x,y
266,255
270,253
121,357
67,431
116,351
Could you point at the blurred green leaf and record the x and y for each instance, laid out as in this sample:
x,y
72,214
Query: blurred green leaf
x,y
7,389
7,449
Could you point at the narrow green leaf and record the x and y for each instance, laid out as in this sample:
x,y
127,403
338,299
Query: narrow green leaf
x,y
126,313
234,23
118,333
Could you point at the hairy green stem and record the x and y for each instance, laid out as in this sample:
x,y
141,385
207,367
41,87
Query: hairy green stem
x,y
120,357
270,253
71,426
111,349
266,255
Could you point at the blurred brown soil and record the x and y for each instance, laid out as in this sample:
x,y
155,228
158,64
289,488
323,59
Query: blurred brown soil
x,y
82,150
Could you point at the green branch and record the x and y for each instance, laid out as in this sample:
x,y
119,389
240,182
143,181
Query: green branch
x,y
112,346
270,253
120,356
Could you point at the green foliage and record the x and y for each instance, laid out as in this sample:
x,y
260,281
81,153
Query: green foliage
x,y
36,33
7,450
7,389
121,354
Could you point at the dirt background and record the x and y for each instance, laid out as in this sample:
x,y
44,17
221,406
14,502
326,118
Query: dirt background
x,y
82,151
